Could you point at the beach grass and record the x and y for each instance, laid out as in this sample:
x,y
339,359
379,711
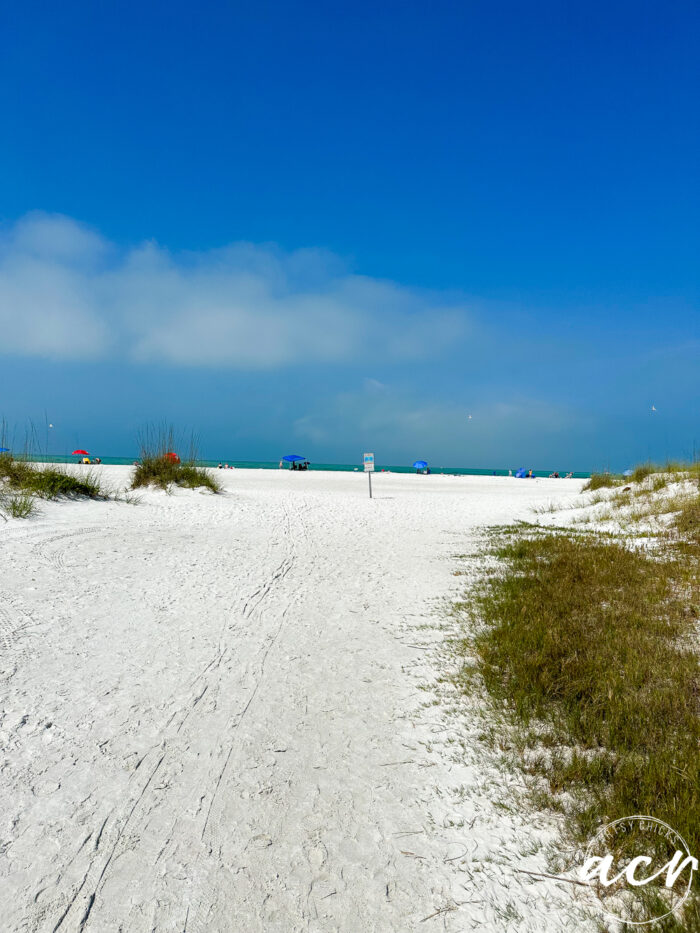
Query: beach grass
x,y
602,481
662,474
22,476
687,522
588,645
157,466
651,494
18,505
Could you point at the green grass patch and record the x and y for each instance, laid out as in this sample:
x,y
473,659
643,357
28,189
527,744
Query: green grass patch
x,y
47,482
602,481
18,505
663,475
642,471
687,522
164,473
589,641
157,466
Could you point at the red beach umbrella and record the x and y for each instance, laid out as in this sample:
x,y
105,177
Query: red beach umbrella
x,y
173,457
84,452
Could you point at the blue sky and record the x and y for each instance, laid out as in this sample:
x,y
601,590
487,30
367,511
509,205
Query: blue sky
x,y
341,227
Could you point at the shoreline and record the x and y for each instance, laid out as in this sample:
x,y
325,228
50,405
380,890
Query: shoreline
x,y
318,467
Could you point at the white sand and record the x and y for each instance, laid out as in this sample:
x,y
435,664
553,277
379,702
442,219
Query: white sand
x,y
212,717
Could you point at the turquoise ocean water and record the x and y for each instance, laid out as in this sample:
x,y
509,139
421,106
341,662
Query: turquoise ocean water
x,y
340,467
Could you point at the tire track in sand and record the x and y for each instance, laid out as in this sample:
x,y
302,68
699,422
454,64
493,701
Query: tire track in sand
x,y
197,919
14,622
126,827
56,558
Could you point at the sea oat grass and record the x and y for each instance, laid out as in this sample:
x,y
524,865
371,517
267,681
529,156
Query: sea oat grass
x,y
642,471
164,473
17,505
602,481
47,482
661,475
160,467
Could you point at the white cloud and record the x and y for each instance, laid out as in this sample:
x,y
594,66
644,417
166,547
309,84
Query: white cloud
x,y
373,385
68,293
47,305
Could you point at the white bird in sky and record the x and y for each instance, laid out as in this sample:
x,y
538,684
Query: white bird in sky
x,y
653,408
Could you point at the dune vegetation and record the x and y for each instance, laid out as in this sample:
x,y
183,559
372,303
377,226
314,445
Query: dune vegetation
x,y
23,481
159,465
672,471
649,496
587,644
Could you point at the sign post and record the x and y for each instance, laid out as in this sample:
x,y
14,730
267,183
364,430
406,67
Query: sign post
x,y
368,460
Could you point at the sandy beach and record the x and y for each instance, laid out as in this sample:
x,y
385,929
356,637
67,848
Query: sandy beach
x,y
217,713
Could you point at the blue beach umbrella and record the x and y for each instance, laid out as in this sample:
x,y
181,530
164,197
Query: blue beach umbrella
x,y
4,450
293,458
420,465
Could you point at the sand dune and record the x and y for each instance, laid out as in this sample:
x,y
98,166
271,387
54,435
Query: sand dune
x,y
212,714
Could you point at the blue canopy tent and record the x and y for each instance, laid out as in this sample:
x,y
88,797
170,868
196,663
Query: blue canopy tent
x,y
294,459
